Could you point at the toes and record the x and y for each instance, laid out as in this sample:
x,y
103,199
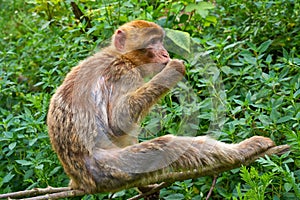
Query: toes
x,y
255,145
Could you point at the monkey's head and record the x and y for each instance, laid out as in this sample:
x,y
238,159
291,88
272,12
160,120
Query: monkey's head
x,y
141,42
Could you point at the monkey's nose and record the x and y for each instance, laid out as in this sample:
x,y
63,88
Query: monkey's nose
x,y
166,55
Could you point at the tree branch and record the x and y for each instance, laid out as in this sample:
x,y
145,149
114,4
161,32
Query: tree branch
x,y
80,16
155,189
212,187
40,191
64,192
58,195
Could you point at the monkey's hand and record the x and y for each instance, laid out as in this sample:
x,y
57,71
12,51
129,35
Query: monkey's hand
x,y
177,65
168,77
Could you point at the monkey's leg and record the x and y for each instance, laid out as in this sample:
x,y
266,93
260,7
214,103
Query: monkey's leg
x,y
169,159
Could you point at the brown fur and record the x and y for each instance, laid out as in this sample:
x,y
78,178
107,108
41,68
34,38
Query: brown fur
x,y
94,115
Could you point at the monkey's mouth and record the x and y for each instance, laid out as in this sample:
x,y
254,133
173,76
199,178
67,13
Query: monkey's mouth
x,y
165,63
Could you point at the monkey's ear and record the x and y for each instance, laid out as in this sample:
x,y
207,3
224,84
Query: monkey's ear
x,y
119,40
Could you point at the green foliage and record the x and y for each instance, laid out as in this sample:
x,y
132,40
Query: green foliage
x,y
242,79
182,190
262,20
278,180
257,184
48,8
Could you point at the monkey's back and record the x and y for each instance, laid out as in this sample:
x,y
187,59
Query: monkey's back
x,y
71,119
79,117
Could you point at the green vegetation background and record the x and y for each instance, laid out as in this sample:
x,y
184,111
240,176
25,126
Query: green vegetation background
x,y
255,45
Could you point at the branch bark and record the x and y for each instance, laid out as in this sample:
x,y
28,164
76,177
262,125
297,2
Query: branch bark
x,y
80,16
155,189
38,191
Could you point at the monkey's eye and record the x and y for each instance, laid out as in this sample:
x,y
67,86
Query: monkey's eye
x,y
154,41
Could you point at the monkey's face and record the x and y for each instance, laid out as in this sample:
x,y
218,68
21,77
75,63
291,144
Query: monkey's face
x,y
153,58
156,52
142,45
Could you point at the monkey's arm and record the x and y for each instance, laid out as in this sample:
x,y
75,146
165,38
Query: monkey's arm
x,y
135,105
170,158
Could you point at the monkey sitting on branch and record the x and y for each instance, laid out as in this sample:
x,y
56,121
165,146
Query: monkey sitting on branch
x,y
94,117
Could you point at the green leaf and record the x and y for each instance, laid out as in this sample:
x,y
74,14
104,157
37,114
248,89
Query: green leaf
x,y
269,59
264,46
296,93
11,146
287,187
284,119
248,97
24,162
290,160
119,194
178,42
91,30
55,170
211,19
250,59
286,54
175,197
202,13
200,8
190,7
7,178
274,115
33,141
206,5
252,46
233,45
227,70
40,167
265,120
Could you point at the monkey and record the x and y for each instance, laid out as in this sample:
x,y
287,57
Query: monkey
x,y
94,115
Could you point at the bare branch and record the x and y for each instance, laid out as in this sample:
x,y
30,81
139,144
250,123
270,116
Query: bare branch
x,y
80,16
34,192
155,189
49,191
212,187
58,195
64,192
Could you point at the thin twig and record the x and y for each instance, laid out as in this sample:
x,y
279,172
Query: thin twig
x,y
155,189
212,187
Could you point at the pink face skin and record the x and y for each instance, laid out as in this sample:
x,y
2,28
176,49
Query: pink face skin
x,y
159,53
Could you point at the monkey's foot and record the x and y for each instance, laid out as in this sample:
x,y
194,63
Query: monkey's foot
x,y
258,146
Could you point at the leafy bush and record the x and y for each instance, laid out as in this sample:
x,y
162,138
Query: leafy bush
x,y
252,46
262,20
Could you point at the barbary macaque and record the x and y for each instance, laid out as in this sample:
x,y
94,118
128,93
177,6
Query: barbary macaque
x,y
94,117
